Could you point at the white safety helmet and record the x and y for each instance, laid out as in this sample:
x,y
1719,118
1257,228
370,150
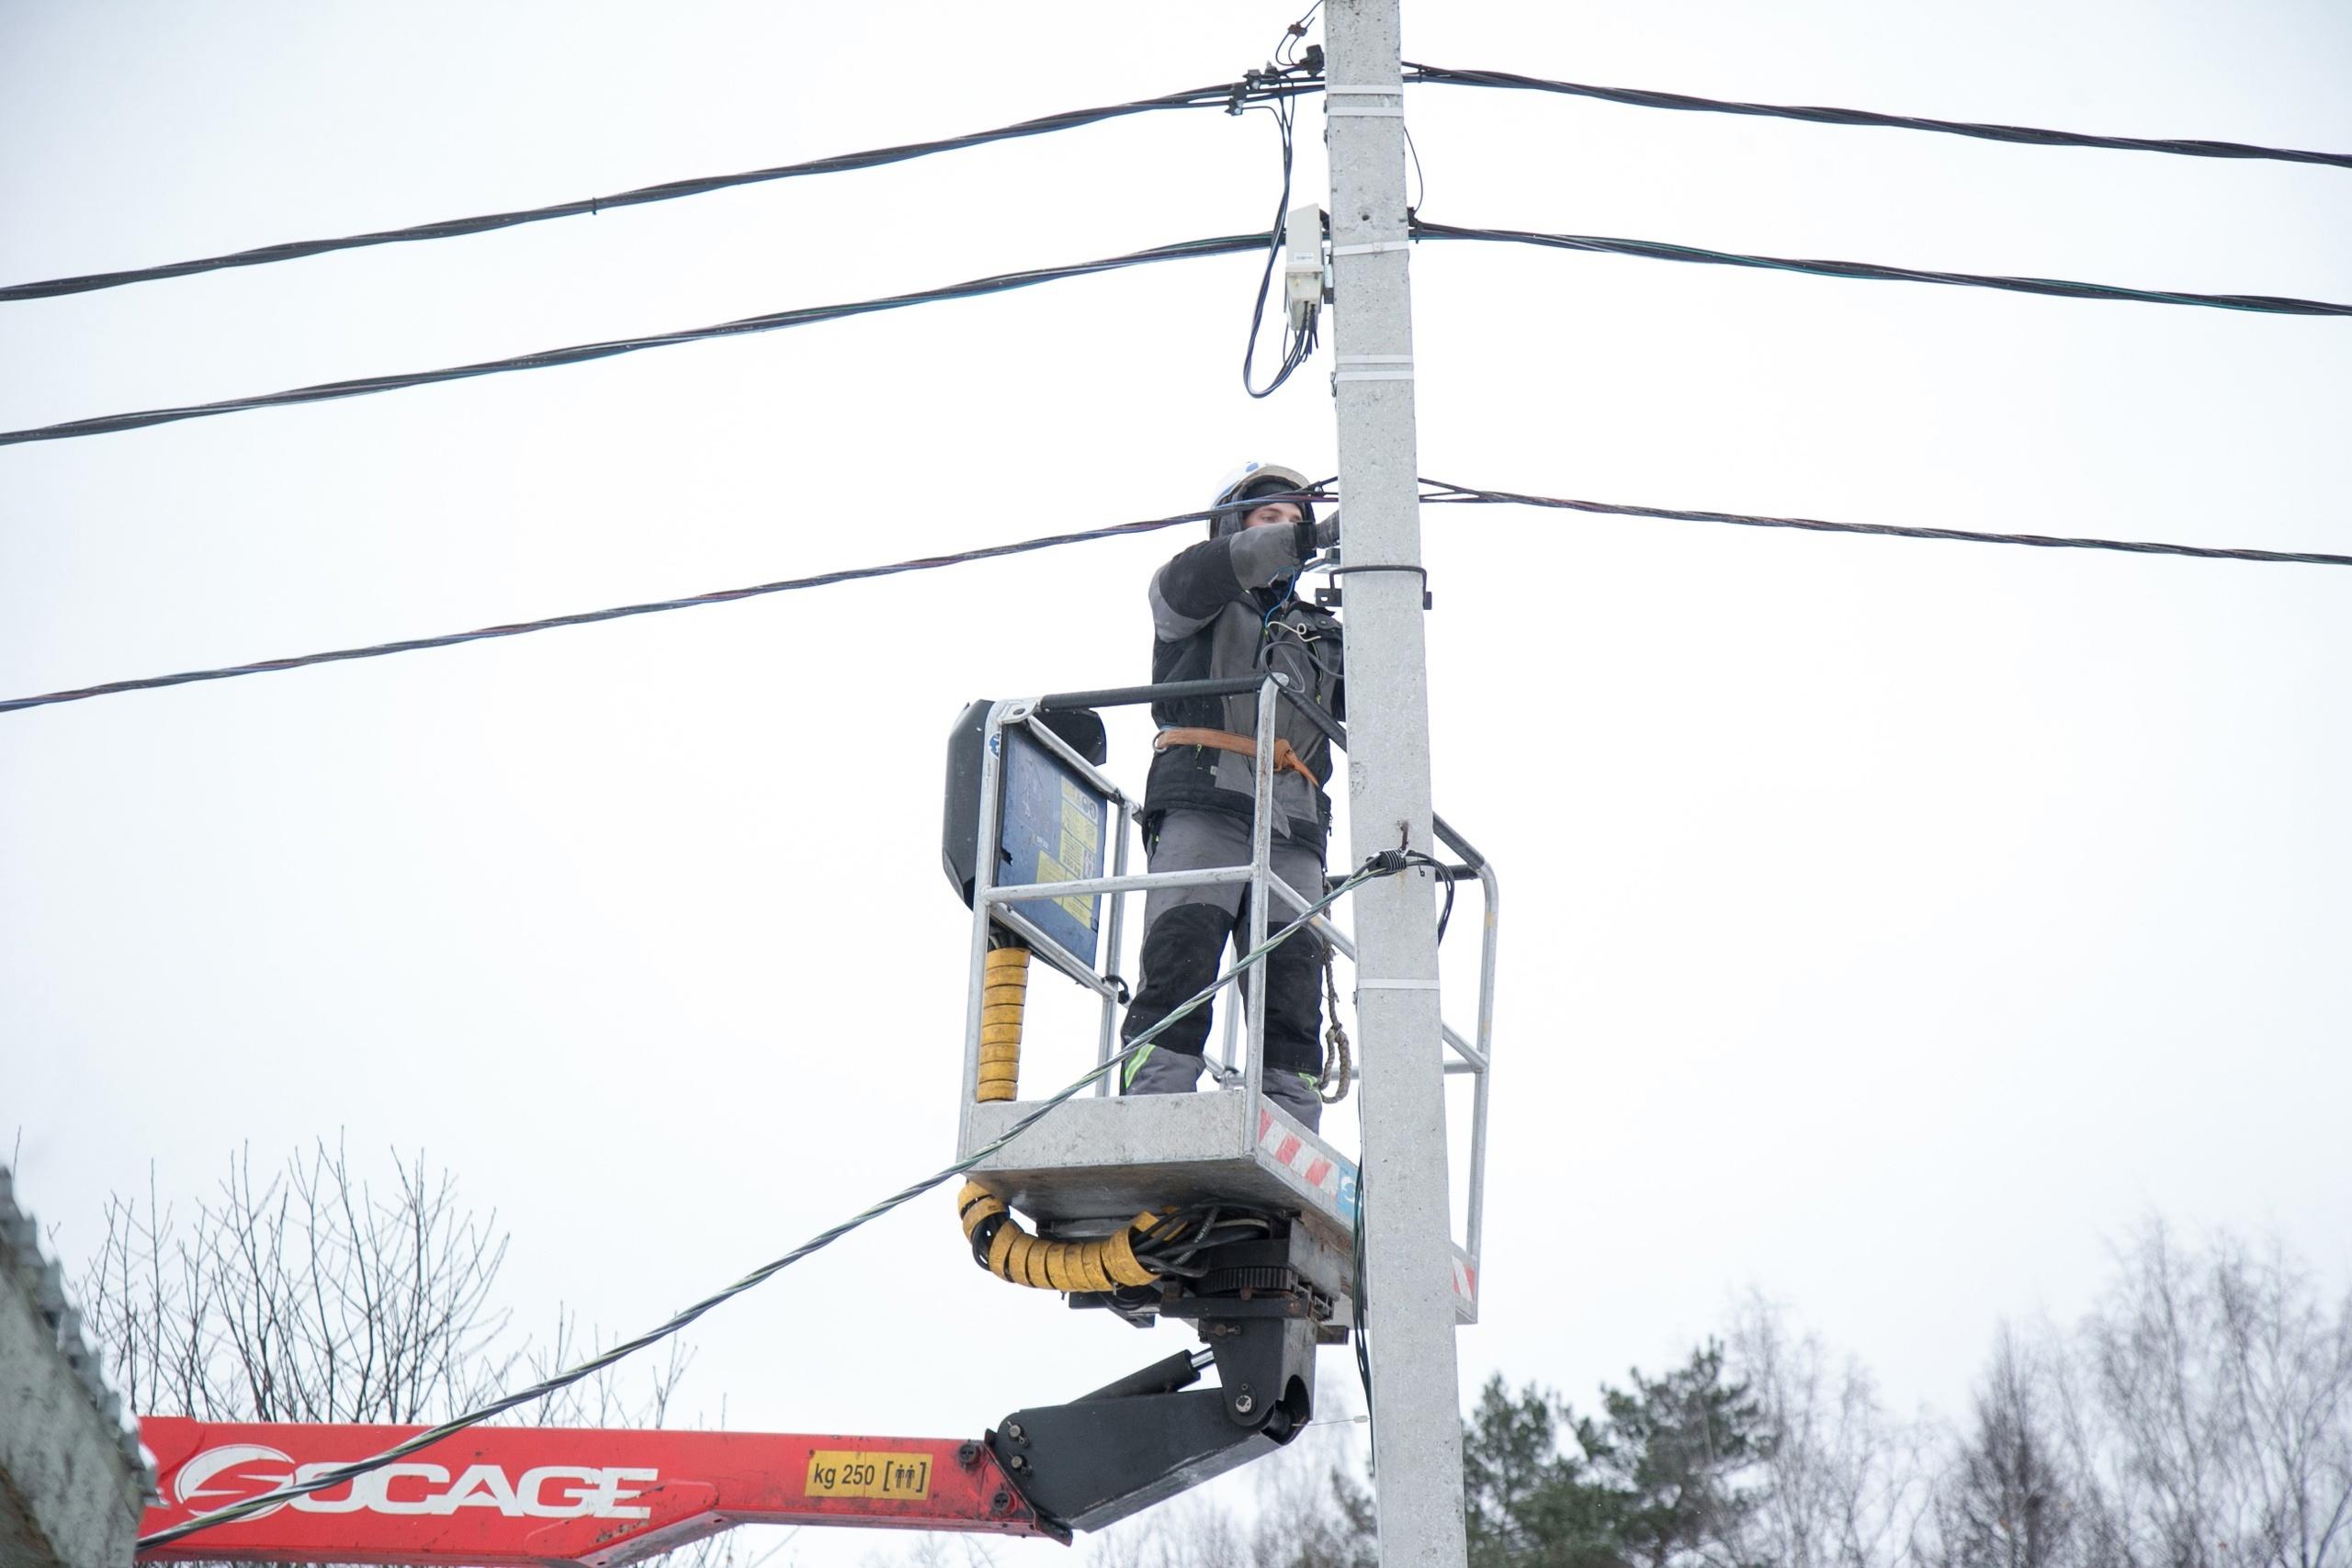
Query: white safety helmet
x,y
1260,479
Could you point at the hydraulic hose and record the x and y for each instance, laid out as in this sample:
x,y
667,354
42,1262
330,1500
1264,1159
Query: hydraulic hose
x,y
1005,990
1002,1246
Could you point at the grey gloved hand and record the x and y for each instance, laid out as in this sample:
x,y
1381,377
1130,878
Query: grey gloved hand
x,y
1315,537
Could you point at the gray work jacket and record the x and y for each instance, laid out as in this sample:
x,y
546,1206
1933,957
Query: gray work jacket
x,y
1222,609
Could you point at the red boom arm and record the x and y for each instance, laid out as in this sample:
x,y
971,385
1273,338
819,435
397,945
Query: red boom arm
x,y
535,1496
541,1497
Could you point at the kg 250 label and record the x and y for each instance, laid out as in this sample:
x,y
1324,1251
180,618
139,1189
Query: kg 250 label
x,y
838,1472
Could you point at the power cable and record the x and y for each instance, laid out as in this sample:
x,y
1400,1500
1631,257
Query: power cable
x,y
1468,495
1361,1311
2271,304
1448,494
586,618
577,354
1385,864
1298,344
1643,98
1459,494
1286,52
1226,96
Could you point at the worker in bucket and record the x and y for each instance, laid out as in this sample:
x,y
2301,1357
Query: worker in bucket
x,y
1222,609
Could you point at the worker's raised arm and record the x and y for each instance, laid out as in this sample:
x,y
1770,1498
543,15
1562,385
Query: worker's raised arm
x,y
1189,591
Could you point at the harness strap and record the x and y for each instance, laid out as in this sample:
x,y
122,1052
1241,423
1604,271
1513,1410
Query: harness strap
x,y
1286,756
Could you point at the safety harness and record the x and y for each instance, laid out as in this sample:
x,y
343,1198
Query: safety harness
x,y
1286,757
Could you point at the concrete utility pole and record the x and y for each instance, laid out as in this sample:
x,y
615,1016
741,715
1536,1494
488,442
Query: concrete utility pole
x,y
1416,1397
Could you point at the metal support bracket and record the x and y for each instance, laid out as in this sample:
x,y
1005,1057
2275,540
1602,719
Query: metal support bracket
x,y
1330,597
1150,1434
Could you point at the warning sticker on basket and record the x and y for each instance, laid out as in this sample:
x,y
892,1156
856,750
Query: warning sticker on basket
x,y
842,1472
1051,870
1079,811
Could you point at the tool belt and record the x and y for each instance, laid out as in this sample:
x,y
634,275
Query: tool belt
x,y
1286,757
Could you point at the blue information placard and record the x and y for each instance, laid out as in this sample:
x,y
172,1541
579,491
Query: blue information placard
x,y
1053,829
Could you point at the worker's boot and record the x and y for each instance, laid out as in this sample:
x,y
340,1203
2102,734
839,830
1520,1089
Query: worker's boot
x,y
1298,1094
1160,1070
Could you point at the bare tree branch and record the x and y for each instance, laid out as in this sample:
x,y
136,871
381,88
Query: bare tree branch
x,y
303,1295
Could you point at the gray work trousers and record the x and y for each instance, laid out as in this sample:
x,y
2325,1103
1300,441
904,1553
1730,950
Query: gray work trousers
x,y
1185,933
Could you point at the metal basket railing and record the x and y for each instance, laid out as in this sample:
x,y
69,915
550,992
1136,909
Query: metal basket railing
x,y
1243,1044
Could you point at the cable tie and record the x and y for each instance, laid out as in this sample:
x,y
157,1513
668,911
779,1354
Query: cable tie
x,y
1396,92
1338,376
1372,249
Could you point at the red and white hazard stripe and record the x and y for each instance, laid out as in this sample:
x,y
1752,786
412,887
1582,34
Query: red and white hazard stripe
x,y
1314,1168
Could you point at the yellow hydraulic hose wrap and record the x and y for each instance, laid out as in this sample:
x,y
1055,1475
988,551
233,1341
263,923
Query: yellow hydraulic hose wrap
x,y
1005,990
1012,1253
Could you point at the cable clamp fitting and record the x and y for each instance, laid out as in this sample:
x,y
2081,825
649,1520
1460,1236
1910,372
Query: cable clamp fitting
x,y
1330,597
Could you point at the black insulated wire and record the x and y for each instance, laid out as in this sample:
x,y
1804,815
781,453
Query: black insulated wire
x,y
1655,250
578,354
2025,135
618,612
1297,346
1468,495
1286,52
1220,96
1361,1311
1224,96
1445,493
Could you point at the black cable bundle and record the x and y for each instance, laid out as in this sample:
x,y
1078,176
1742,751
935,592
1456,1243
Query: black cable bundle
x,y
1297,345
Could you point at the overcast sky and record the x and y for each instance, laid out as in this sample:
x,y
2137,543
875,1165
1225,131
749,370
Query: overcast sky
x,y
1889,924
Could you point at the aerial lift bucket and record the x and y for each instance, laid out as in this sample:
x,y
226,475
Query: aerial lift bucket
x,y
1036,842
